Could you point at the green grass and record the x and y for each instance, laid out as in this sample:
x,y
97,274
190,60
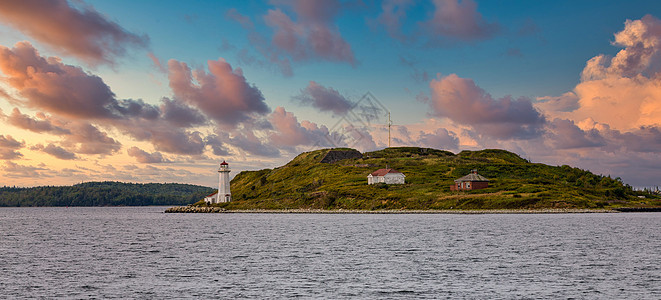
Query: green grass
x,y
515,183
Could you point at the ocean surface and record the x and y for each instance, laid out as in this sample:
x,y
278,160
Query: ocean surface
x,y
141,252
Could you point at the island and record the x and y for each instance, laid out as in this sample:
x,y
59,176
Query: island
x,y
336,180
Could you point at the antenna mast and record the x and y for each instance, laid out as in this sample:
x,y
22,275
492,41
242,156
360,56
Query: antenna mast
x,y
389,125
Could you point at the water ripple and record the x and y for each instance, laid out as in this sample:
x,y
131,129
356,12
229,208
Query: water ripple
x,y
143,253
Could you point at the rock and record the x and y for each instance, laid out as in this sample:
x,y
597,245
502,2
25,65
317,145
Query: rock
x,y
337,155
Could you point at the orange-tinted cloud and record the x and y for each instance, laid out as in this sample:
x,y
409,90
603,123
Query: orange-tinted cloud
x,y
9,147
88,139
145,157
81,32
55,151
623,91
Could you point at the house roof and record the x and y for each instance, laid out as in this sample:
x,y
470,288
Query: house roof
x,y
472,177
383,172
211,194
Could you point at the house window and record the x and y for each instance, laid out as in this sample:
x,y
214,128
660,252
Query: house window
x,y
468,185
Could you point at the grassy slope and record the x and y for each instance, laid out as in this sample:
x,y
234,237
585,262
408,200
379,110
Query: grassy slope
x,y
515,183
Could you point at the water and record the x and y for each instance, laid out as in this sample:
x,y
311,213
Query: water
x,y
140,252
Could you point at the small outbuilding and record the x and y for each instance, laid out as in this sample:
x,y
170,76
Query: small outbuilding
x,y
211,198
387,176
472,181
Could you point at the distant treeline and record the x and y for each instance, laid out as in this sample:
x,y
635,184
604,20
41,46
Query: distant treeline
x,y
106,193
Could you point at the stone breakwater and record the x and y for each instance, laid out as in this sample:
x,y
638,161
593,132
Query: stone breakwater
x,y
206,209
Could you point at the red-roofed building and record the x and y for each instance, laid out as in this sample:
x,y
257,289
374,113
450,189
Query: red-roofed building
x,y
387,176
472,181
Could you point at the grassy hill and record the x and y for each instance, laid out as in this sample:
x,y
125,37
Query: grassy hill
x,y
515,183
107,193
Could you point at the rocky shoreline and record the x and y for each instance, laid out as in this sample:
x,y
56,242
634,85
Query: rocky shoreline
x,y
207,209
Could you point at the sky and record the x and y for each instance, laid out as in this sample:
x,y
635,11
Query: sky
x,y
163,91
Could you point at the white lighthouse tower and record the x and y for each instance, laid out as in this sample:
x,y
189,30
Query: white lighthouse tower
x,y
224,194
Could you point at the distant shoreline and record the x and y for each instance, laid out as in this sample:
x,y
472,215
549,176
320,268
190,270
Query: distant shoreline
x,y
194,209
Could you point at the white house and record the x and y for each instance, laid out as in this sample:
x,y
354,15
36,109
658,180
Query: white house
x,y
387,176
211,198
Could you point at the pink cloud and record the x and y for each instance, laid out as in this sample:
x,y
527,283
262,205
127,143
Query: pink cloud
x,y
244,20
87,102
289,132
462,101
84,33
223,94
324,99
313,35
156,62
391,16
440,138
50,85
44,124
459,21
179,142
145,157
247,141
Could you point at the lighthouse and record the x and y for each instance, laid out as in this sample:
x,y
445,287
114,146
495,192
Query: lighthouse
x,y
224,194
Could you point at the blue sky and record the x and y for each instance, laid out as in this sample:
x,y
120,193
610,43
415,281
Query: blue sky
x,y
455,75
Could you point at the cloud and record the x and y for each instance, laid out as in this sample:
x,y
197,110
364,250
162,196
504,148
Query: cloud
x,y
156,62
8,147
641,40
18,171
234,15
56,151
313,35
145,157
621,91
324,99
217,146
45,125
179,142
564,134
50,85
246,140
180,114
459,21
223,94
391,17
462,101
566,103
288,132
83,33
88,139
440,138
